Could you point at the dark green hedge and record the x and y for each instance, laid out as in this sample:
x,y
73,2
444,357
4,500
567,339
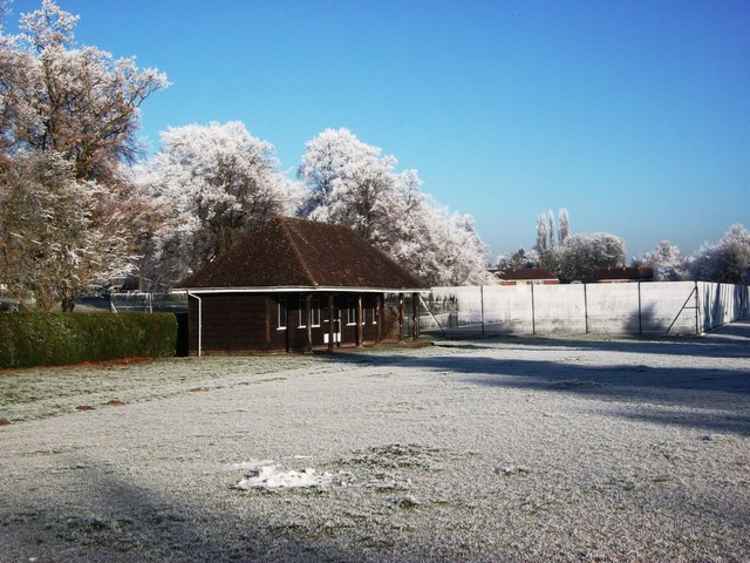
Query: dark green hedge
x,y
34,339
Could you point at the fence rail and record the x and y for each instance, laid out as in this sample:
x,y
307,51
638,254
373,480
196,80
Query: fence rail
x,y
638,308
146,302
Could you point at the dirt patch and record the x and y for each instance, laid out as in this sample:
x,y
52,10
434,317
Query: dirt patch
x,y
114,363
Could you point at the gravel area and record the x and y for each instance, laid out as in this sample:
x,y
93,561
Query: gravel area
x,y
485,450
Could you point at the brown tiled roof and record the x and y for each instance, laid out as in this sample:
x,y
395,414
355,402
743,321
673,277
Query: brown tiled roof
x,y
528,274
296,252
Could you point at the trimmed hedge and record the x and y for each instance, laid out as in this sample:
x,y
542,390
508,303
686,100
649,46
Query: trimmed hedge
x,y
34,339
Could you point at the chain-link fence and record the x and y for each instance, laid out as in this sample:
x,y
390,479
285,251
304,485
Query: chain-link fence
x,y
145,302
638,308
647,308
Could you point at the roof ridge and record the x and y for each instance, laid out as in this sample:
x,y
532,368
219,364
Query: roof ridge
x,y
385,255
297,251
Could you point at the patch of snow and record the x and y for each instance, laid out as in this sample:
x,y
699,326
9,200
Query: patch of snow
x,y
267,475
511,470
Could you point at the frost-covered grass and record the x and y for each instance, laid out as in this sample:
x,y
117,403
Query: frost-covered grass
x,y
39,392
512,449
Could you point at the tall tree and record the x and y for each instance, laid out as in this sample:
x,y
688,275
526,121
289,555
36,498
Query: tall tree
x,y
210,182
563,222
546,241
584,254
77,101
552,239
352,183
349,182
667,262
727,260
49,250
542,234
59,100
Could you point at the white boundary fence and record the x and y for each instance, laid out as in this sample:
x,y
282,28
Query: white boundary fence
x,y
648,308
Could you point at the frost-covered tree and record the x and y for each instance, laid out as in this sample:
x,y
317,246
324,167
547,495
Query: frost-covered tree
x,y
667,262
211,182
546,241
583,254
519,260
542,235
51,247
77,101
552,242
75,110
352,183
563,221
726,261
548,235
458,254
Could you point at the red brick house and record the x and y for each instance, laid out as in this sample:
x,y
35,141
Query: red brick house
x,y
524,276
624,274
282,285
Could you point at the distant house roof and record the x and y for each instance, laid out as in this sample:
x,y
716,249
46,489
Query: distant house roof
x,y
295,253
528,274
624,274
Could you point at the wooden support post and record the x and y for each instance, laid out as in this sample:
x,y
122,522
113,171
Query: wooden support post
x,y
287,331
268,321
339,326
381,316
400,316
308,323
415,316
360,320
331,323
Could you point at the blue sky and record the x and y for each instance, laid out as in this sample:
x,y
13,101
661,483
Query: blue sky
x,y
633,115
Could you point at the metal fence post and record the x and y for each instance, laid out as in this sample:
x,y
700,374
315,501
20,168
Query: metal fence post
x,y
481,299
697,310
640,312
533,311
586,307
